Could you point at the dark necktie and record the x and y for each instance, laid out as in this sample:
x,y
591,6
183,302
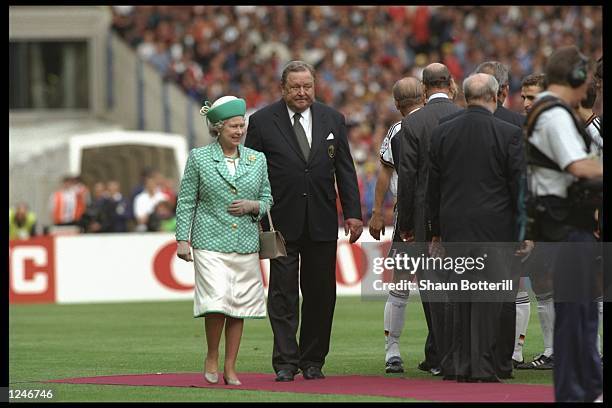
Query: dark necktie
x,y
301,135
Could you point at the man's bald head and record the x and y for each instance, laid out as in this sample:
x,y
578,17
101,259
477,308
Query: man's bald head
x,y
481,89
436,75
408,93
437,78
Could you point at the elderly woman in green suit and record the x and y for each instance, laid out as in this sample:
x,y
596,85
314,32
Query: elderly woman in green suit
x,y
224,193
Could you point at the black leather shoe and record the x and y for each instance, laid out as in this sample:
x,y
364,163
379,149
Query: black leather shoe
x,y
493,379
424,366
313,373
284,375
505,375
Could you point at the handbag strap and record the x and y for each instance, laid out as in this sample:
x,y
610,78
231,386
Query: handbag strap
x,y
270,220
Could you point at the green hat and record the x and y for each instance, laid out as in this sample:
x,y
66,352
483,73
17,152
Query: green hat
x,y
224,108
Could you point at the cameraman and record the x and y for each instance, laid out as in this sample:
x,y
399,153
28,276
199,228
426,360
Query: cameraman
x,y
558,144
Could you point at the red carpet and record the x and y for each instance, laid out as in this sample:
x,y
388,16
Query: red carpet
x,y
428,390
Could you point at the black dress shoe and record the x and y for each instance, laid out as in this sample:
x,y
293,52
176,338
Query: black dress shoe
x,y
505,375
493,379
312,373
284,375
424,366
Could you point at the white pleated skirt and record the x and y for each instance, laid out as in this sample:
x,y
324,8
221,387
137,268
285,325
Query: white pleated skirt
x,y
228,283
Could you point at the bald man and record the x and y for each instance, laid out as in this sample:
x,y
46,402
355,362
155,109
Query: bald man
x,y
477,203
412,185
408,98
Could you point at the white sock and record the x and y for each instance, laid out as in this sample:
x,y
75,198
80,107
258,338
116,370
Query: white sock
x,y
394,324
523,310
600,326
546,313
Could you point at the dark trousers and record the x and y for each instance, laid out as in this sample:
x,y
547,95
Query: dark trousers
x,y
504,348
475,325
316,277
577,370
432,356
506,332
483,322
434,310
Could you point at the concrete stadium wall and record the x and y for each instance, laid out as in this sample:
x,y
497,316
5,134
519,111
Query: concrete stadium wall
x,y
139,99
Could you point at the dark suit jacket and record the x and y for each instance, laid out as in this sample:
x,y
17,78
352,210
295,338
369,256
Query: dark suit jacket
x,y
509,116
476,177
299,186
502,113
414,163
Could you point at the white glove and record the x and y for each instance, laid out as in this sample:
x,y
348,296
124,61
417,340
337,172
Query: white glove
x,y
183,252
241,207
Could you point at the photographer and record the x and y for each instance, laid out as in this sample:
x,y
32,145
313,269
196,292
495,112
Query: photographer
x,y
563,211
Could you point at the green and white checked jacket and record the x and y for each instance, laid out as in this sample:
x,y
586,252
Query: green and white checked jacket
x,y
206,191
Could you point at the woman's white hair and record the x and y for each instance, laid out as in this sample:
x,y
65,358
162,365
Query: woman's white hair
x,y
215,128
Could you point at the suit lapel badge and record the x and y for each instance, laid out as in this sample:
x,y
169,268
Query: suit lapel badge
x,y
251,158
331,151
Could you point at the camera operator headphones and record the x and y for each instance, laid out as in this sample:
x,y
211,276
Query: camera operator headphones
x,y
578,74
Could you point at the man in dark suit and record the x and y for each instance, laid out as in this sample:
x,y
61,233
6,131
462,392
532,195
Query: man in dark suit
x,y
507,321
306,146
476,175
500,72
412,186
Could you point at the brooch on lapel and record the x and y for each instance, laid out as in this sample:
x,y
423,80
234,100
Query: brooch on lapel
x,y
251,157
331,151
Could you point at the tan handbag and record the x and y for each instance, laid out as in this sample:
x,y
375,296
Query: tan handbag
x,y
271,243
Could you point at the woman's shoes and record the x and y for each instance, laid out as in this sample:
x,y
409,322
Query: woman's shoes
x,y
229,381
211,378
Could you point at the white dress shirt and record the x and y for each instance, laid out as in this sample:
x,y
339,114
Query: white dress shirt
x,y
305,121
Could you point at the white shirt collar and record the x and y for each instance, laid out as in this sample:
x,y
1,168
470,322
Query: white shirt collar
x,y
414,110
438,95
305,115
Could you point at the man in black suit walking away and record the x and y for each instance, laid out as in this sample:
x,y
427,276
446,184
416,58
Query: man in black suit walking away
x,y
412,186
306,146
475,180
507,321
500,72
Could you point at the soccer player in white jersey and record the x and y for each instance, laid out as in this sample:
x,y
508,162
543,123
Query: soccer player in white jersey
x,y
408,96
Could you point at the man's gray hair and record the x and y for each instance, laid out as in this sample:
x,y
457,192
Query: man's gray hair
x,y
480,86
497,69
296,66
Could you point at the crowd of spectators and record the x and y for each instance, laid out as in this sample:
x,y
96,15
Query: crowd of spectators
x,y
358,51
150,207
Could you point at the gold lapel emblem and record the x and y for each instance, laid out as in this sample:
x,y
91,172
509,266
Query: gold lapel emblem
x,y
252,158
331,151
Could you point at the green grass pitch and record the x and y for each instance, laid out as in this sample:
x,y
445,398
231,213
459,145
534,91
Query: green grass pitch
x,y
61,341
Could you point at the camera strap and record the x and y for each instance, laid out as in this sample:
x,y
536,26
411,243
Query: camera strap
x,y
535,157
